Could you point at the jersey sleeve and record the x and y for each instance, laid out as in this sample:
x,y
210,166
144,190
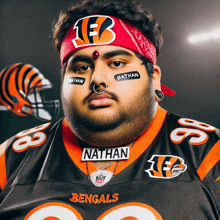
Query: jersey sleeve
x,y
14,151
209,172
201,145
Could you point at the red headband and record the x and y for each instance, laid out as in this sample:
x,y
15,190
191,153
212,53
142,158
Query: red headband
x,y
107,30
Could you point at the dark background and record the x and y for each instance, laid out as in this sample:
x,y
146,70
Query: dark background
x,y
192,70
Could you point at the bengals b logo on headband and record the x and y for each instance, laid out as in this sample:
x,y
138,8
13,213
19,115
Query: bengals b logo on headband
x,y
94,30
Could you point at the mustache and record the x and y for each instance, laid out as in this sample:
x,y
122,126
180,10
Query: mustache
x,y
111,95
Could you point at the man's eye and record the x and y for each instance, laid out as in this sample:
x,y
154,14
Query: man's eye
x,y
81,69
117,64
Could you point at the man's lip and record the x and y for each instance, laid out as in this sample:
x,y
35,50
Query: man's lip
x,y
99,100
99,96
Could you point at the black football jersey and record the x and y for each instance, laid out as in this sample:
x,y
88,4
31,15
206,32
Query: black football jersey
x,y
173,172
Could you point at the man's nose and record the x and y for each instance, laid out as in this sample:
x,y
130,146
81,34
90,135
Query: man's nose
x,y
99,78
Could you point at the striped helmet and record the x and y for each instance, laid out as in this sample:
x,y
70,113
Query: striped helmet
x,y
21,92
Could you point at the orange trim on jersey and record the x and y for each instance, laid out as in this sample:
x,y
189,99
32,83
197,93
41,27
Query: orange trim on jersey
x,y
142,143
3,176
217,179
74,150
145,140
42,211
210,160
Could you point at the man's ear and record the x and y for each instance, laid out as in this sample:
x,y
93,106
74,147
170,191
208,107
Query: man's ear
x,y
156,77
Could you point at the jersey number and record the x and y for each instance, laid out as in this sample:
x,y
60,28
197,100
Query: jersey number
x,y
61,211
199,136
25,141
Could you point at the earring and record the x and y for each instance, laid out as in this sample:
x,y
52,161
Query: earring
x,y
158,95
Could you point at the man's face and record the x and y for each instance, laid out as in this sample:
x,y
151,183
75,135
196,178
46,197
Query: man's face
x,y
123,111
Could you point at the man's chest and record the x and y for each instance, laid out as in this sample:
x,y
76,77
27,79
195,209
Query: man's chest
x,y
138,199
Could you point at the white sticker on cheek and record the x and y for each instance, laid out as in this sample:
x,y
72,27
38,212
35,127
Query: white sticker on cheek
x,y
127,76
76,80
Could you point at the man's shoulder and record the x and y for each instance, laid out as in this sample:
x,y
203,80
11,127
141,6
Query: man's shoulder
x,y
30,137
184,129
175,120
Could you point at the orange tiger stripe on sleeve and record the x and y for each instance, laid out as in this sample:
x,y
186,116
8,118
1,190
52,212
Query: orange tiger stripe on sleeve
x,y
209,161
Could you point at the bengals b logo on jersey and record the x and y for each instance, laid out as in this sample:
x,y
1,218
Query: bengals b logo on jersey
x,y
94,30
166,166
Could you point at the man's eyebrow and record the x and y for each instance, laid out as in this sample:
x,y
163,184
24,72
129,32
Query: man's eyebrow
x,y
115,53
80,58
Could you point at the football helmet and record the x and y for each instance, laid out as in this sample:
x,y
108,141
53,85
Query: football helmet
x,y
22,92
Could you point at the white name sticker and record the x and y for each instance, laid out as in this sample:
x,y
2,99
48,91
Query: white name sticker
x,y
96,154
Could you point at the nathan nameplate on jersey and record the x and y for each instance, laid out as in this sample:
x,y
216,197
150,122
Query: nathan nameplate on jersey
x,y
101,154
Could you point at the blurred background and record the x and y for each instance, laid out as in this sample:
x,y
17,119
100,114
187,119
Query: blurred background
x,y
189,59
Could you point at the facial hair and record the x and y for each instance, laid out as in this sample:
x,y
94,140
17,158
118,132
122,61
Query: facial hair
x,y
80,121
124,126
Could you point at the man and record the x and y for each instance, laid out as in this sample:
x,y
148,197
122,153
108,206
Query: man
x,y
116,154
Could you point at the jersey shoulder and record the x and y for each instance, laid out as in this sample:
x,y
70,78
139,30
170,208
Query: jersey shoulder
x,y
200,141
14,150
191,130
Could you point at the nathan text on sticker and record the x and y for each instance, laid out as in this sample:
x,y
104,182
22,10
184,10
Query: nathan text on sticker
x,y
76,80
127,76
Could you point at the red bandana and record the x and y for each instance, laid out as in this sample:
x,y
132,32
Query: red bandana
x,y
107,30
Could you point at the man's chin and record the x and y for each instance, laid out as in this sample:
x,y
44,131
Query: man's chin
x,y
98,125
95,123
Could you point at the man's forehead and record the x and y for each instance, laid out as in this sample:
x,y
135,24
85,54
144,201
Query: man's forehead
x,y
104,52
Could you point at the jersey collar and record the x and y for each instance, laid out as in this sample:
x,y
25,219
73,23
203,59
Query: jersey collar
x,y
74,150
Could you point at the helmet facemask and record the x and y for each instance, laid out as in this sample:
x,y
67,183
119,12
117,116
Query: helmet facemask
x,y
41,109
